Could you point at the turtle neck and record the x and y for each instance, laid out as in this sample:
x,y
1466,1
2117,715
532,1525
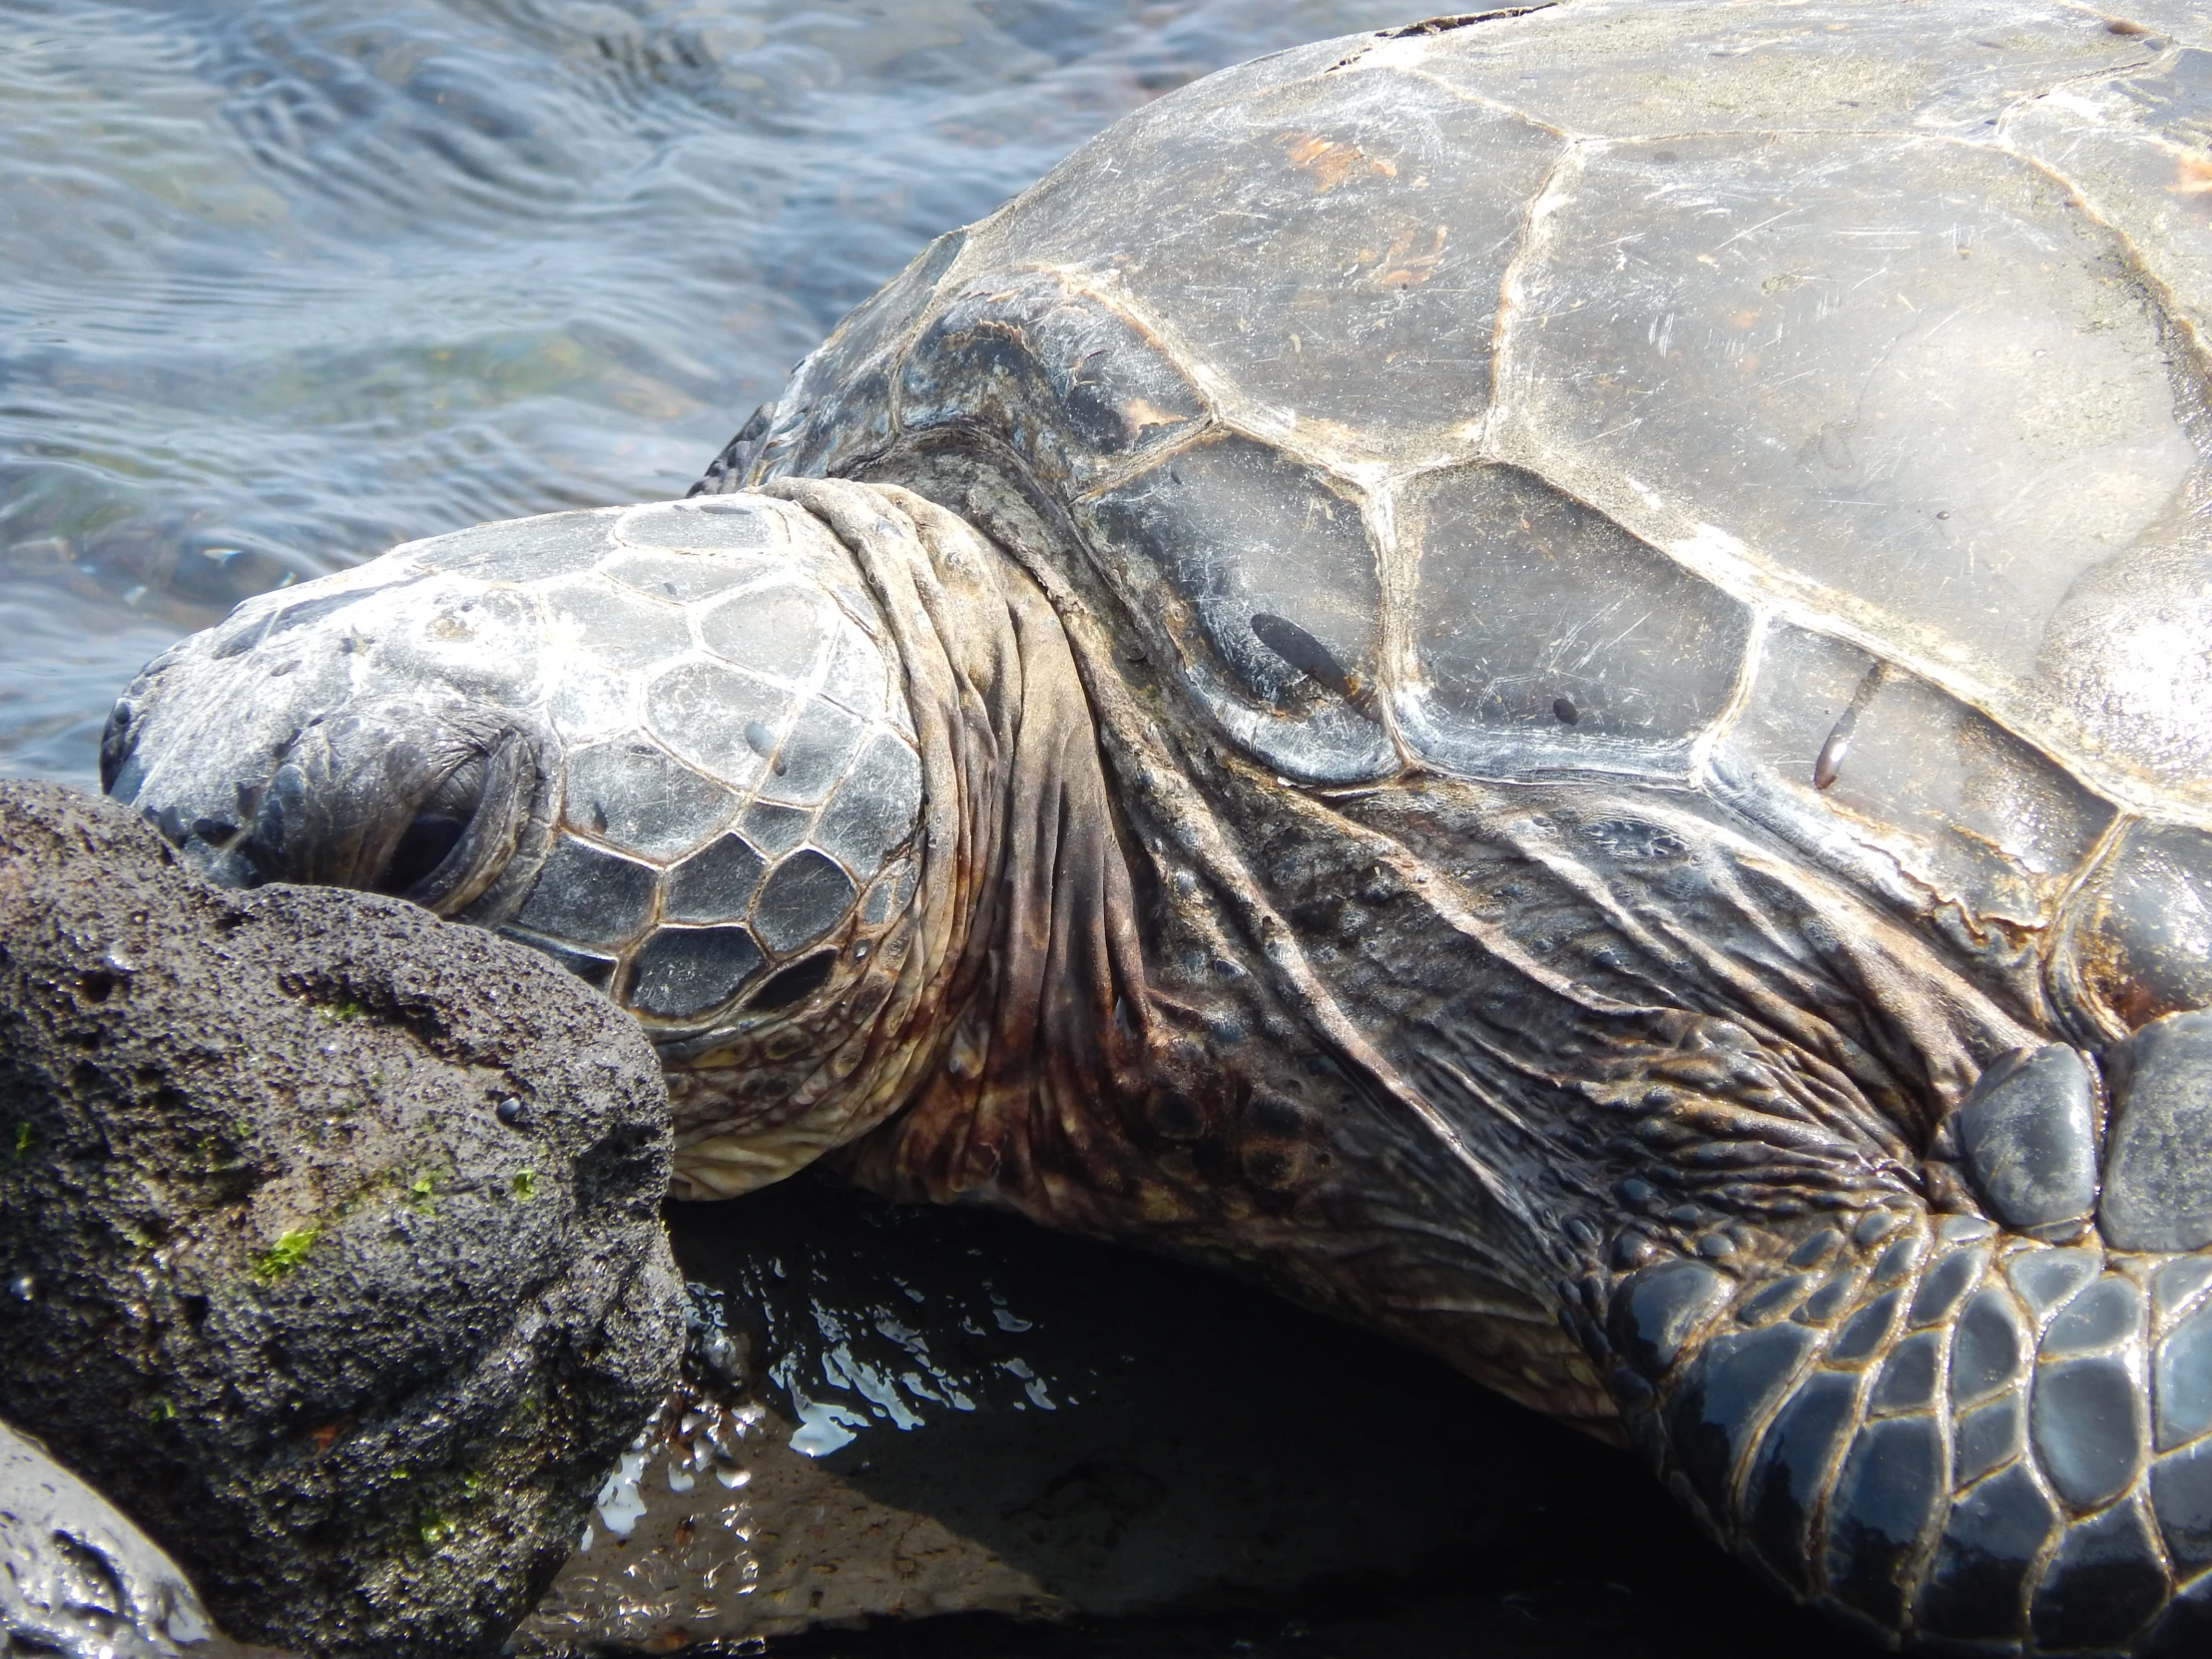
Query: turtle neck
x,y
1000,1028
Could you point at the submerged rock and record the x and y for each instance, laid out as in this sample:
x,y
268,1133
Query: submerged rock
x,y
330,1239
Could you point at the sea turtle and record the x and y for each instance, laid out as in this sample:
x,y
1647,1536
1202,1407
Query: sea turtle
x,y
1545,677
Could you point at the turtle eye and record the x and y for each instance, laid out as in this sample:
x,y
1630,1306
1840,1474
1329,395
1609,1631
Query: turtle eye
x,y
436,830
422,849
462,831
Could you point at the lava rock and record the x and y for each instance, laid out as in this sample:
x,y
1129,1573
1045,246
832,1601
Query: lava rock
x,y
276,1271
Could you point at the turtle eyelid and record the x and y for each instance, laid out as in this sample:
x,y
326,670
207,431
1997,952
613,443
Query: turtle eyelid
x,y
466,829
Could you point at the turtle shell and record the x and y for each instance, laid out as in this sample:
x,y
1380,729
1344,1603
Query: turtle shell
x,y
1803,403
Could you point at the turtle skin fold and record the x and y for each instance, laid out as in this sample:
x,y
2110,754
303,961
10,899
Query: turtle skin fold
x,y
1682,714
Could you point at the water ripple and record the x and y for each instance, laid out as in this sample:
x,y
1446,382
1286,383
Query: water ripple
x,y
282,283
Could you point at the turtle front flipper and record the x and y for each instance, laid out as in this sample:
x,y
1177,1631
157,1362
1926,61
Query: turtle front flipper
x,y
1949,1430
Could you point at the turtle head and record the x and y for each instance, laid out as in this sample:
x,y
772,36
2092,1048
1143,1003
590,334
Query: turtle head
x,y
668,746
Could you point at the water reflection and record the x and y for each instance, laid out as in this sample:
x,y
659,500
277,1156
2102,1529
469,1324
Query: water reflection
x,y
284,284
942,1409
863,1315
950,1412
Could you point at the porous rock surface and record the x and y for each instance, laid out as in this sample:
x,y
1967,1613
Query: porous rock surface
x,y
330,1245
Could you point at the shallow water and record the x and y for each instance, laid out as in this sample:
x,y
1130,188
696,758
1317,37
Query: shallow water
x,y
1137,1434
284,284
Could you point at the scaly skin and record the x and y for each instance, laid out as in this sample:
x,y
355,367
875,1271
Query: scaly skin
x,y
1604,1097
1614,1100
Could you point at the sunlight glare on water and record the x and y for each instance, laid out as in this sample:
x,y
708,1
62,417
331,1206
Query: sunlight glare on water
x,y
284,284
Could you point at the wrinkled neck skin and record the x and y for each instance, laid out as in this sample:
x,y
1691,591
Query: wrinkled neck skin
x,y
997,990
1394,1050
1593,1090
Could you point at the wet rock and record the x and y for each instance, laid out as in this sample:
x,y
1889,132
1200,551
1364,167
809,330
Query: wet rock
x,y
79,1580
714,1529
328,1235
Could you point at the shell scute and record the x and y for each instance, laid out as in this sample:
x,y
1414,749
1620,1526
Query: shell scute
x,y
1907,381
1928,801
836,410
1614,389
1634,69
2138,148
1544,636
1217,544
1322,248
2141,945
1029,356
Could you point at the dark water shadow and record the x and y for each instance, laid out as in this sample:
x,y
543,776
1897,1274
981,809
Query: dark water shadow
x,y
1222,1472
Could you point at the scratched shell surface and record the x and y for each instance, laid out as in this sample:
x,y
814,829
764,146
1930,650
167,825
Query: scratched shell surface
x,y
1806,402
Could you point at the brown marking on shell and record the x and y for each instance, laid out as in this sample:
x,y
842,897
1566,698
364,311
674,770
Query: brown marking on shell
x,y
1410,260
1331,161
